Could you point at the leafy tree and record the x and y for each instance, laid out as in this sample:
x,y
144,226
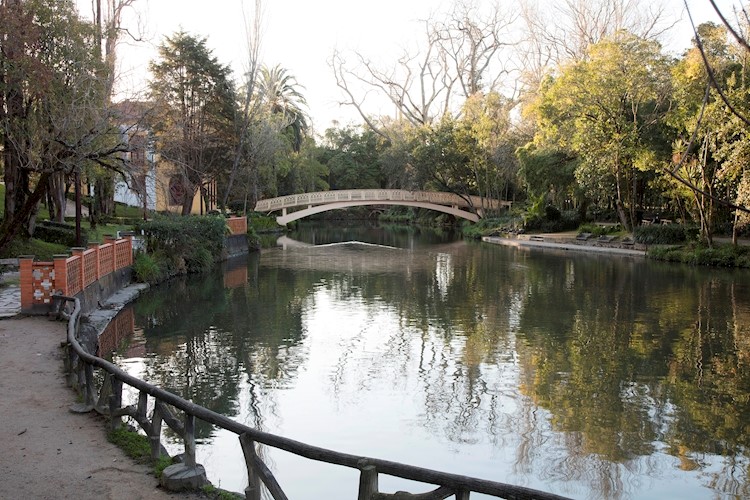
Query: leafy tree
x,y
732,95
279,92
485,123
53,105
609,110
303,172
706,130
442,157
549,172
352,157
395,156
196,107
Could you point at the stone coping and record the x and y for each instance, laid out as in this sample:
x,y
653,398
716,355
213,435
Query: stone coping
x,y
568,244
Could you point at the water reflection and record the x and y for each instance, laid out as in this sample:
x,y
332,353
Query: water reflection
x,y
588,376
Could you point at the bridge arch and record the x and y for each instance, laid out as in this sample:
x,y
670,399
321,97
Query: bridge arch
x,y
323,201
286,218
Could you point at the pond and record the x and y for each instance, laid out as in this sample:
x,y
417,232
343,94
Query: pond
x,y
589,376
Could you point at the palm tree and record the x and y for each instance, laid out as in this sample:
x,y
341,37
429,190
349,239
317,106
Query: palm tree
x,y
279,92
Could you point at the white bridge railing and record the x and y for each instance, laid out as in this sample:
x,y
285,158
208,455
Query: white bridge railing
x,y
375,195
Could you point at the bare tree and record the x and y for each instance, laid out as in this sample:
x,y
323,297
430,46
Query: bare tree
x,y
250,105
109,22
109,30
419,85
458,58
562,32
471,41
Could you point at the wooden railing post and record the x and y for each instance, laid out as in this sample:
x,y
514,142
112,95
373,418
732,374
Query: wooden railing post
x,y
90,389
102,401
115,402
258,472
252,492
189,439
154,434
368,482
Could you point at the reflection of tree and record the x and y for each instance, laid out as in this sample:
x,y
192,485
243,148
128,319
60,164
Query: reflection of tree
x,y
189,358
205,336
611,357
629,368
710,386
448,332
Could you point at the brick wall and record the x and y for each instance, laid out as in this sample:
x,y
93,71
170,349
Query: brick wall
x,y
237,225
69,275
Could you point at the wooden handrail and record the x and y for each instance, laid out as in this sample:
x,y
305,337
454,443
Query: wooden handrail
x,y
448,484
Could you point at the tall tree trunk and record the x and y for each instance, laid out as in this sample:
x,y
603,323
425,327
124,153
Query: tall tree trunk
x,y
12,225
627,223
104,191
187,201
57,196
13,116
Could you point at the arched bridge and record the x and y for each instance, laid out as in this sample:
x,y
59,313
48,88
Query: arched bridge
x,y
322,201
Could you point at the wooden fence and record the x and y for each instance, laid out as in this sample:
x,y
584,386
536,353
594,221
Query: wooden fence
x,y
180,414
68,275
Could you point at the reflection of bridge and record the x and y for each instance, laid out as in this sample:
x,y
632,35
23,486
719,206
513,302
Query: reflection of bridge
x,y
323,201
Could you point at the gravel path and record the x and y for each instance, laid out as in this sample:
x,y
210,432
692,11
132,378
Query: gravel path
x,y
47,452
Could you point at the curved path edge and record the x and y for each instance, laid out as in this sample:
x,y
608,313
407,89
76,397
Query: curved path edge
x,y
49,452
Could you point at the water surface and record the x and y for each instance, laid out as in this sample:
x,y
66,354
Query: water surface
x,y
589,376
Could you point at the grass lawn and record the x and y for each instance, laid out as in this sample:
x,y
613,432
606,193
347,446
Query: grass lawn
x,y
40,249
44,251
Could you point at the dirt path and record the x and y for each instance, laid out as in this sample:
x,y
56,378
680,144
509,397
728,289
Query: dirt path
x,y
47,452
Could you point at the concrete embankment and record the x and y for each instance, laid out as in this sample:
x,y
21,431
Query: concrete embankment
x,y
564,243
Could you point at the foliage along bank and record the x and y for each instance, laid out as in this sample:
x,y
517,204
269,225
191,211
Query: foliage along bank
x,y
179,245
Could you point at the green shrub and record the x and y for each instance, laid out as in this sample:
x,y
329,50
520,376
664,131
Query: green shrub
x,y
59,233
146,269
662,234
199,261
262,223
181,237
489,227
560,221
700,255
253,239
552,213
398,215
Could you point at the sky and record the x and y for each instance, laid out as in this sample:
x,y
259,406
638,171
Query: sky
x,y
301,36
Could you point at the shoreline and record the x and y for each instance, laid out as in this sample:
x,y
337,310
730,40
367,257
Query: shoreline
x,y
562,242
